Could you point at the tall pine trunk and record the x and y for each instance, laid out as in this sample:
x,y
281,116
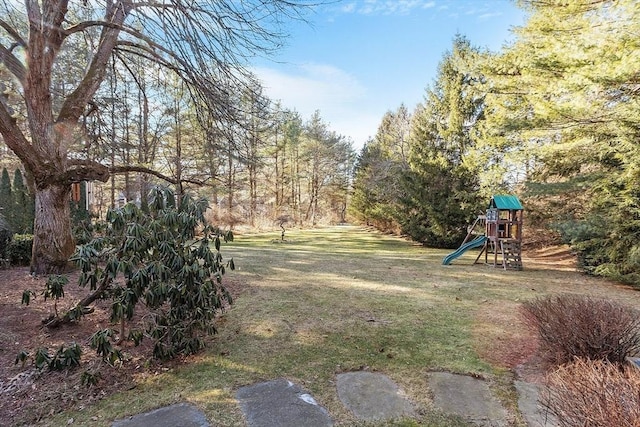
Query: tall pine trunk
x,y
53,241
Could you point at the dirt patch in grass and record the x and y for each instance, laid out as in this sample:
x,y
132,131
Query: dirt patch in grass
x,y
556,257
501,334
503,339
27,395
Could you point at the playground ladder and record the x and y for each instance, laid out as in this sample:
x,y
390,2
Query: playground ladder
x,y
511,254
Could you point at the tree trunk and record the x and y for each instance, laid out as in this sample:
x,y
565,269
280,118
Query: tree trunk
x,y
178,147
53,241
253,193
144,149
276,164
230,188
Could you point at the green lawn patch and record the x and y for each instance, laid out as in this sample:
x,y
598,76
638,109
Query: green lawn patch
x,y
340,299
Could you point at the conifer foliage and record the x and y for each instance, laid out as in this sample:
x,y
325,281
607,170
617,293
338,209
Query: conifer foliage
x,y
553,116
566,93
377,188
442,190
6,197
23,208
16,202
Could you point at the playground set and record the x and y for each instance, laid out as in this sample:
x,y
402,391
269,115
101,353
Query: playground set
x,y
499,233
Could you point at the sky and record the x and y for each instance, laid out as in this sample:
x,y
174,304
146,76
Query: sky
x,y
354,60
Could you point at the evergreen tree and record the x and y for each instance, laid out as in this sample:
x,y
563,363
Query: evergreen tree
x,y
382,161
567,92
442,192
6,199
441,201
23,204
366,205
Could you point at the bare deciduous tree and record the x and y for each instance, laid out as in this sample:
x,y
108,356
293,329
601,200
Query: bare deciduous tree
x,y
205,43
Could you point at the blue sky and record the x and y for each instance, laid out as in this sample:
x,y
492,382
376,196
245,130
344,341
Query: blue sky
x,y
357,59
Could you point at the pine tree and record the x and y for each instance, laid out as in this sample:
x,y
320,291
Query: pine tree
x,y
6,199
382,161
23,206
442,192
567,92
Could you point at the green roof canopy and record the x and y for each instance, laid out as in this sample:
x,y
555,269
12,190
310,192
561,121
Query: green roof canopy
x,y
506,203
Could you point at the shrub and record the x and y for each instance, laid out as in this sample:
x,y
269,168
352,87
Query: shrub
x,y
64,358
101,342
54,289
573,326
5,237
90,378
19,249
590,393
167,258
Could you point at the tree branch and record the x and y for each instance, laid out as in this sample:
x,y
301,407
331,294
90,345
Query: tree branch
x,y
82,305
81,26
13,33
89,170
73,107
85,170
12,63
142,169
15,139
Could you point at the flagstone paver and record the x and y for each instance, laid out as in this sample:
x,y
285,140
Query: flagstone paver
x,y
180,414
534,414
372,396
281,403
467,397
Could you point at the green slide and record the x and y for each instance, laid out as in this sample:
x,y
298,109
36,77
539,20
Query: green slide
x,y
477,242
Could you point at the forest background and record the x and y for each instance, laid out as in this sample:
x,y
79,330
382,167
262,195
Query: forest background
x,y
552,117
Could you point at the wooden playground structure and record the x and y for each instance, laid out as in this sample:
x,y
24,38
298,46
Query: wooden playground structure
x,y
500,235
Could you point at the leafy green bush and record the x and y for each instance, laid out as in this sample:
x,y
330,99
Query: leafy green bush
x,y
90,378
168,259
101,343
64,358
576,326
19,249
42,358
22,357
54,289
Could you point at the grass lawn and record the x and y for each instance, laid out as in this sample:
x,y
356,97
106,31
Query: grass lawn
x,y
339,299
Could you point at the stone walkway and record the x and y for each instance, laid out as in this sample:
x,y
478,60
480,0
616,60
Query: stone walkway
x,y
528,405
467,397
372,396
369,396
280,403
181,414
